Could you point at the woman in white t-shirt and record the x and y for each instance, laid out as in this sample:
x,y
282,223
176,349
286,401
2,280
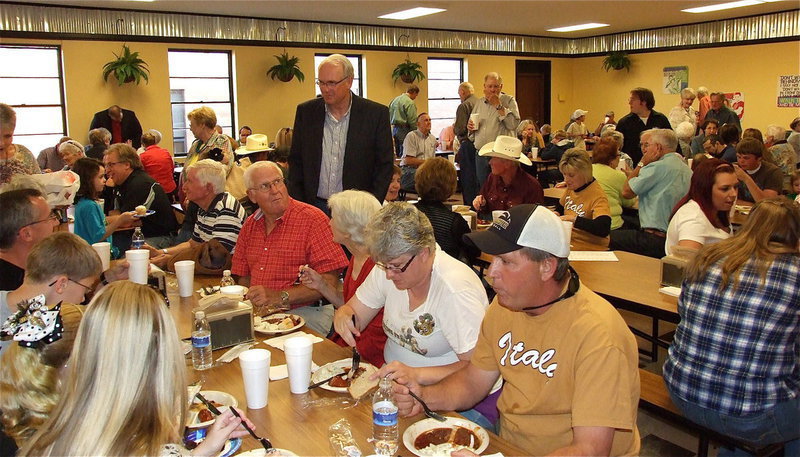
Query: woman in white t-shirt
x,y
433,304
701,217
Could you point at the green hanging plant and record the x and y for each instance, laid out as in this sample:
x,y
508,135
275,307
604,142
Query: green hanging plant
x,y
127,67
286,68
408,72
617,60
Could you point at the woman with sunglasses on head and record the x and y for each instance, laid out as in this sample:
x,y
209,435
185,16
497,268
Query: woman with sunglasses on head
x,y
138,411
733,364
433,304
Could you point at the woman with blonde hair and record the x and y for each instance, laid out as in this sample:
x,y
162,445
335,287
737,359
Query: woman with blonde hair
x,y
584,203
733,364
136,411
684,112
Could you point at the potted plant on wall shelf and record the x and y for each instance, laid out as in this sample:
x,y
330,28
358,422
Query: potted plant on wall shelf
x,y
617,60
286,69
127,67
408,72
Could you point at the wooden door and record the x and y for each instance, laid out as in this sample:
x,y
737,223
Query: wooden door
x,y
533,90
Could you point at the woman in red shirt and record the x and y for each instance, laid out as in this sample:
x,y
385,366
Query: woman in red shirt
x,y
158,163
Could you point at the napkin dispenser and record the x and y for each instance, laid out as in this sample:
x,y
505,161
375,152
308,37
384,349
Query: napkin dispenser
x,y
672,270
231,323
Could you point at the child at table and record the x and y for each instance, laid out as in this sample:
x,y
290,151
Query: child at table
x,y
795,186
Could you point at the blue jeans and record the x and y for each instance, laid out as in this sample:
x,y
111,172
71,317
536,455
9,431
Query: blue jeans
x,y
482,169
469,177
776,425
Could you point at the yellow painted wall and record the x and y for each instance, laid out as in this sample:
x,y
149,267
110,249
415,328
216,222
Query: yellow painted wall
x,y
752,70
268,105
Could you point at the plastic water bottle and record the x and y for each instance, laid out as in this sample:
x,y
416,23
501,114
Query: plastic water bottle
x,y
227,279
201,342
384,420
138,239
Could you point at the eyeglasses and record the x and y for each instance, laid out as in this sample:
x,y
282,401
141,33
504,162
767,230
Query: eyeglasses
x,y
50,218
330,84
268,186
88,289
395,268
111,164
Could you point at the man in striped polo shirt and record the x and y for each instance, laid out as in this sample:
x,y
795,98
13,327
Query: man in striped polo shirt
x,y
212,213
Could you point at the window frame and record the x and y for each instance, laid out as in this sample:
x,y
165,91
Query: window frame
x,y
231,93
456,97
61,87
361,71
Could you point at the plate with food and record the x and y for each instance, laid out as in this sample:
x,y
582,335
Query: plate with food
x,y
341,383
483,224
278,323
200,416
145,213
744,209
430,437
274,452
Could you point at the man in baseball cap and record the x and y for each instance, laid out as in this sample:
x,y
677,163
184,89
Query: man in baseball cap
x,y
568,360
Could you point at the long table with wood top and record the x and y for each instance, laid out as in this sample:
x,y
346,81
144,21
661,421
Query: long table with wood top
x,y
285,421
632,284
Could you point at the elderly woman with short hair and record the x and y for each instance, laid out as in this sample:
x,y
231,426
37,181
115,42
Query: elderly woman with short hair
x,y
783,154
14,158
605,159
684,112
70,151
433,304
584,203
351,210
99,141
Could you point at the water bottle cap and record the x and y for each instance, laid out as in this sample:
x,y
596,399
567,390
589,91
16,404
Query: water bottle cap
x,y
199,314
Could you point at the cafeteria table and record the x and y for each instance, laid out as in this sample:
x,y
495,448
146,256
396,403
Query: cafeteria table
x,y
632,284
285,421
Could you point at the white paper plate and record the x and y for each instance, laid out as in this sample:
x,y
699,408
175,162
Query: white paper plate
x,y
328,370
262,328
415,429
224,398
146,213
260,452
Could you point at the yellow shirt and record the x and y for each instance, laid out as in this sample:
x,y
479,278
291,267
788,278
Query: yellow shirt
x,y
574,365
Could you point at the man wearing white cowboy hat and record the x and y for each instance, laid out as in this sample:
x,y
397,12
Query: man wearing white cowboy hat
x,y
507,185
569,362
256,142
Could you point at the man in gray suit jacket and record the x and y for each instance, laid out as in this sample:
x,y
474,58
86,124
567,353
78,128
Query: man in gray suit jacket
x,y
341,141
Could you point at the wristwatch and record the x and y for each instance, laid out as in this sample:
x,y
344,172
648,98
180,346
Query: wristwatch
x,y
284,298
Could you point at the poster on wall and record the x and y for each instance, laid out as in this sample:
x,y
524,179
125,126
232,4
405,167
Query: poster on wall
x,y
789,91
675,79
735,101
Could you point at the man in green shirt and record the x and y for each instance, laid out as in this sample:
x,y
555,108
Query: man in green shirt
x,y
403,116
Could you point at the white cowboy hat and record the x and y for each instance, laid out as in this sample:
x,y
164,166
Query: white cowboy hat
x,y
256,142
579,112
505,147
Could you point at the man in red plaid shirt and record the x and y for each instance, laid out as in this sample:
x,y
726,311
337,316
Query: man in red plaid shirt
x,y
277,241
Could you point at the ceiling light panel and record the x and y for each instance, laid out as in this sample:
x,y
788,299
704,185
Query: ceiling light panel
x,y
722,6
573,28
412,13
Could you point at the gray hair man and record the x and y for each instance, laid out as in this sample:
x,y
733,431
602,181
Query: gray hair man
x,y
336,132
212,213
403,116
277,242
722,113
497,114
568,360
660,180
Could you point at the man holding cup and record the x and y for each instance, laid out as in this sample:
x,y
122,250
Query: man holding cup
x,y
497,114
278,240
